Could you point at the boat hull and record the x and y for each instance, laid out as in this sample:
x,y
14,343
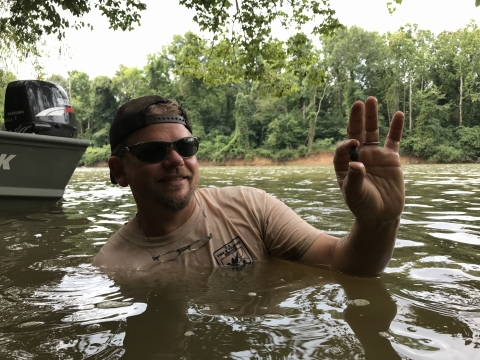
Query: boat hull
x,y
36,167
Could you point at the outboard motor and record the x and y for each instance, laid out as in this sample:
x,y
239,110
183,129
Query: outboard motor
x,y
40,107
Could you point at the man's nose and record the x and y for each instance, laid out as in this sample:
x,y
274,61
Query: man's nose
x,y
172,158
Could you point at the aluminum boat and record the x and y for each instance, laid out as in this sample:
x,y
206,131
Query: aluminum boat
x,y
38,148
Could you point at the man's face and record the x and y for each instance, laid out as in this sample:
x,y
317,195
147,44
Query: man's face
x,y
169,183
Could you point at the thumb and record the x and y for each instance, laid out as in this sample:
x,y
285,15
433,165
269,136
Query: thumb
x,y
353,186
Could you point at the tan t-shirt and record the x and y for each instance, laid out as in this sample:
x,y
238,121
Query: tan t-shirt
x,y
247,224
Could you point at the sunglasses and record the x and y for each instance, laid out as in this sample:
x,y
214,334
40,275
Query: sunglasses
x,y
155,151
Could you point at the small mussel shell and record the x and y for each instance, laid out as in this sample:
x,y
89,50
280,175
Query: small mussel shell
x,y
273,316
358,302
113,304
30,324
353,153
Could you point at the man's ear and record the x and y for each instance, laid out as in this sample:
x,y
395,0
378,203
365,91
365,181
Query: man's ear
x,y
117,170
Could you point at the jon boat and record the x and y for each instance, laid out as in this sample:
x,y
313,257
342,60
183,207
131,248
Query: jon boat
x,y
38,148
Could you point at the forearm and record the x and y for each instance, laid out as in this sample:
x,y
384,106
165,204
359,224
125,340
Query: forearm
x,y
367,250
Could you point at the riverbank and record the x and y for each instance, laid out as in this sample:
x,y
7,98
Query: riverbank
x,y
323,158
319,159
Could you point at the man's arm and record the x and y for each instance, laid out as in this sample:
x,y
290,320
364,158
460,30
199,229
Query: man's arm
x,y
373,189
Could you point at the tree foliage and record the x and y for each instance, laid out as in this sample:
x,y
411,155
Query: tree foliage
x,y
303,106
244,27
24,22
241,29
5,78
392,5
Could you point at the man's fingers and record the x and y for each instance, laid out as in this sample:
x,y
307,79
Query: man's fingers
x,y
353,186
341,159
342,154
356,128
395,133
371,119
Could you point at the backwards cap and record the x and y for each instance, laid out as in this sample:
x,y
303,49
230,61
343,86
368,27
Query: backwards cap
x,y
132,116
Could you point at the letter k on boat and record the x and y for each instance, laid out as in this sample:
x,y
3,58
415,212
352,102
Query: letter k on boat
x,y
5,161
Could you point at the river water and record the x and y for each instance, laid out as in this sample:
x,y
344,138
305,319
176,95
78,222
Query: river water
x,y
55,305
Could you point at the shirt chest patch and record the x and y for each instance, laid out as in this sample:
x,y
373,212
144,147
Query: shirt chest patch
x,y
233,253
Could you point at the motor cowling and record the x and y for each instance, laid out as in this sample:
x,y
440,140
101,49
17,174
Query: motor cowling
x,y
40,107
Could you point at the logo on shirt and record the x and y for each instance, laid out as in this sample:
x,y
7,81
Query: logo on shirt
x,y
233,254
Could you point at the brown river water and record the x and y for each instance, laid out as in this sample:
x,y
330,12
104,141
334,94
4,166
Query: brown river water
x,y
55,305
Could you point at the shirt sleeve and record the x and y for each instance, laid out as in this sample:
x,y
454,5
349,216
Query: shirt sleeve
x,y
285,234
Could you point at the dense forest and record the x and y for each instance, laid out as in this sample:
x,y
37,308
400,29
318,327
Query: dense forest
x,y
295,99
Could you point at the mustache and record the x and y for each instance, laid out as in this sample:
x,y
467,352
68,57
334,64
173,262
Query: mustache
x,y
177,172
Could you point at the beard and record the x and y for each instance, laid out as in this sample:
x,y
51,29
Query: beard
x,y
173,199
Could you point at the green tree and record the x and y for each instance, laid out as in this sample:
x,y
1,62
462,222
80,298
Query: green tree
x,y
304,63
80,89
159,73
5,78
358,65
286,132
466,63
410,49
60,80
425,139
456,72
469,142
104,107
209,107
244,27
128,83
244,110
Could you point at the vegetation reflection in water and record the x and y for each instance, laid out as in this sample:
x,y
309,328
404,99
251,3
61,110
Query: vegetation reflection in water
x,y
54,304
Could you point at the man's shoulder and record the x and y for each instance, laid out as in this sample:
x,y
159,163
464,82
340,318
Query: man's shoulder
x,y
234,194
234,198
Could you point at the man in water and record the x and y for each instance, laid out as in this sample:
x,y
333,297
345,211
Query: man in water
x,y
177,224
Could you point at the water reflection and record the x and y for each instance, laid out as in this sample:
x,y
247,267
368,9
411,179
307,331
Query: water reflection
x,y
303,311
54,304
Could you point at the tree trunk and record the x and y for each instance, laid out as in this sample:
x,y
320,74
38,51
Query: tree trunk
x,y
461,100
313,122
410,122
69,89
311,128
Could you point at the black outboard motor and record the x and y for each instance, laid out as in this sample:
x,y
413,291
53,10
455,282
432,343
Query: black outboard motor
x,y
40,107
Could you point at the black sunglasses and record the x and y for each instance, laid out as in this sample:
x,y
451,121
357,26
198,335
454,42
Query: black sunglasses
x,y
155,151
